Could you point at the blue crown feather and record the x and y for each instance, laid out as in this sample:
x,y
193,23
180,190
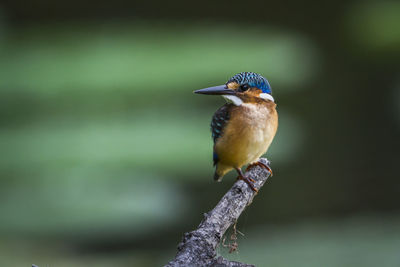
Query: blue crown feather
x,y
253,80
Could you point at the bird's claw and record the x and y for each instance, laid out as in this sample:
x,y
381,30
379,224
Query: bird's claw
x,y
262,165
249,181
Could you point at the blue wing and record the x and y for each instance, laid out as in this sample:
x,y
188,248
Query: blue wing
x,y
218,123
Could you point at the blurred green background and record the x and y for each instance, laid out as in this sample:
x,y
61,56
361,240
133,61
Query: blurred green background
x,y
106,152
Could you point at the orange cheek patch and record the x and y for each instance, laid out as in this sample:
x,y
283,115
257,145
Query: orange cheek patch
x,y
233,85
254,91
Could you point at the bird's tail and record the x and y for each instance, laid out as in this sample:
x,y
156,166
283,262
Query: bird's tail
x,y
217,177
220,171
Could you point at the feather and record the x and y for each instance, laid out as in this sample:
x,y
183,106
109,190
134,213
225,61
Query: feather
x,y
218,123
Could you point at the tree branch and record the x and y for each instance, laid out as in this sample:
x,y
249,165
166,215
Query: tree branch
x,y
198,247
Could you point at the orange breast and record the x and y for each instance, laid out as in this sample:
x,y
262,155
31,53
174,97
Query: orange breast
x,y
248,134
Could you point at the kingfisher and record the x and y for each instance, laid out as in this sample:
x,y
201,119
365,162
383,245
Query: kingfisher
x,y
243,128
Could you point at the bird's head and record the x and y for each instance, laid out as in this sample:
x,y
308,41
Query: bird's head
x,y
242,88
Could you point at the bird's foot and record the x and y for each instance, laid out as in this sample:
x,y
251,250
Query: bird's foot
x,y
249,181
262,165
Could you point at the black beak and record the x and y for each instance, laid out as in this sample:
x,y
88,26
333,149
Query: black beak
x,y
216,90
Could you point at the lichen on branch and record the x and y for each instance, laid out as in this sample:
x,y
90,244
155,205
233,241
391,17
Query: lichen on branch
x,y
198,247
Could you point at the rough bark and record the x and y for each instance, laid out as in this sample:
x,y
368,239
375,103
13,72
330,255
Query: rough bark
x,y
198,247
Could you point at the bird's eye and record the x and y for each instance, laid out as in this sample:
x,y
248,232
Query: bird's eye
x,y
243,87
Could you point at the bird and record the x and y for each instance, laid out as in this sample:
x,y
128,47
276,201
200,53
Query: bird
x,y
244,127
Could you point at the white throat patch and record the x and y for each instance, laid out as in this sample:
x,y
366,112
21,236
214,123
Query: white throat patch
x,y
267,97
233,99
